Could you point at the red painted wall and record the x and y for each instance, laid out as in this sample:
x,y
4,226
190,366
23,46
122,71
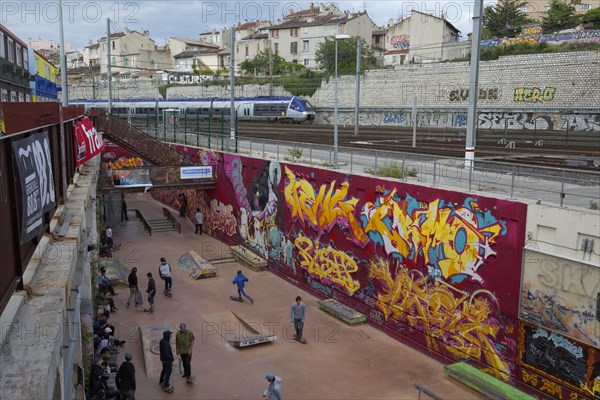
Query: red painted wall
x,y
437,269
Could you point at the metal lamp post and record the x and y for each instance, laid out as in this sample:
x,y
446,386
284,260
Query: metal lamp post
x,y
335,102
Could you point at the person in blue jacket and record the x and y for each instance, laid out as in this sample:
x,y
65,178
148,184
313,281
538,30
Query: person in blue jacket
x,y
240,280
166,358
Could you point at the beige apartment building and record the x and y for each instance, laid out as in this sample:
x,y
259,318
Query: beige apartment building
x,y
130,51
536,9
421,38
298,37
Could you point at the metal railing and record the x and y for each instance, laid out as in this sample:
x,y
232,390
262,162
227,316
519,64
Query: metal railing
x,y
429,393
74,340
147,226
168,215
561,186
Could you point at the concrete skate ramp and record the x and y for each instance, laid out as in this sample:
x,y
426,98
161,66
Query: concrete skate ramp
x,y
196,267
235,331
151,335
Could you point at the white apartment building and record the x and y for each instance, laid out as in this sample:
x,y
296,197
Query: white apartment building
x,y
421,38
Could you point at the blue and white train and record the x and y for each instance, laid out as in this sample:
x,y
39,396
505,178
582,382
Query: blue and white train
x,y
290,109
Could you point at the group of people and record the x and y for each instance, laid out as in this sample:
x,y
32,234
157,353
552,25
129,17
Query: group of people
x,y
184,345
106,242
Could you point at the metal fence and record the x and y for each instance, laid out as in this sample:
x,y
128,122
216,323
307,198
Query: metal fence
x,y
509,179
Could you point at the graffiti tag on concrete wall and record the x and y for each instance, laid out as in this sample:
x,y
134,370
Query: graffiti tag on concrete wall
x,y
534,95
587,36
463,94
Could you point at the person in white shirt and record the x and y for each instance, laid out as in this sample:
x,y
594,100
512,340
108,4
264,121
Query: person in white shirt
x,y
164,271
109,237
199,221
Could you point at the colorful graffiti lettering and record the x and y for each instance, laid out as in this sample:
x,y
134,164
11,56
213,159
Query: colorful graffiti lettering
x,y
586,36
233,170
322,210
328,265
222,218
534,95
454,320
533,30
400,42
463,94
455,241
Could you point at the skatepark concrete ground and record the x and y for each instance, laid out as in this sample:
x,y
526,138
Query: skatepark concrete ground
x,y
338,362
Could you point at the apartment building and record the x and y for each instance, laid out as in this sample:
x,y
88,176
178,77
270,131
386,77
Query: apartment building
x,y
190,54
14,67
298,37
130,50
536,9
421,38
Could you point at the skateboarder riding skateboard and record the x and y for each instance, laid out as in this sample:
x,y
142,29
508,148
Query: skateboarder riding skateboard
x,y
240,280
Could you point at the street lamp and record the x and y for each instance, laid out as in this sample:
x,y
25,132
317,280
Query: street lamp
x,y
335,102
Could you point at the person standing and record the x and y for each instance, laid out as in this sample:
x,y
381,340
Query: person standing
x,y
298,316
123,208
273,391
166,358
125,378
240,280
184,344
151,290
133,289
164,271
199,221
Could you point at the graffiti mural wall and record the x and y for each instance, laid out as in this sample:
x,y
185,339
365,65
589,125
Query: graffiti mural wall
x,y
436,269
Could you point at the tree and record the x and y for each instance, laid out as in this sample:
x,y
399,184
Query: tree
x,y
504,18
260,65
561,15
592,18
325,56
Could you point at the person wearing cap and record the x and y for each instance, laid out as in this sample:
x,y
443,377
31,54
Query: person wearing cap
x,y
133,289
166,358
273,391
103,281
184,343
125,378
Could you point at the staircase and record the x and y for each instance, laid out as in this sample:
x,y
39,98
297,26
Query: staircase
x,y
161,225
151,150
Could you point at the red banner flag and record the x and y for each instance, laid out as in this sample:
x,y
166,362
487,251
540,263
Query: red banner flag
x,y
87,141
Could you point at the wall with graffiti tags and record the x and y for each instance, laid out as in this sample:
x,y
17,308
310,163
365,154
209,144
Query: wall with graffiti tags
x,y
436,269
538,121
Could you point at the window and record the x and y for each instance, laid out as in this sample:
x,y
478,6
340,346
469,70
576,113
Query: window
x,y
237,49
25,60
523,9
133,61
546,8
124,61
13,96
294,47
294,32
306,62
2,52
19,52
113,61
276,47
275,34
113,45
11,50
305,46
4,93
586,7
247,51
258,47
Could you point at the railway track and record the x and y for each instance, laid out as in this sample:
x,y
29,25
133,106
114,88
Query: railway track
x,y
581,151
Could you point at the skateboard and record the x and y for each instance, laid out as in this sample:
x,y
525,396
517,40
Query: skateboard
x,y
168,293
236,299
169,389
301,340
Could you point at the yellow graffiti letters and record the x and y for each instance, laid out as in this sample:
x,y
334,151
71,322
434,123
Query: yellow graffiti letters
x,y
530,379
534,95
323,210
327,263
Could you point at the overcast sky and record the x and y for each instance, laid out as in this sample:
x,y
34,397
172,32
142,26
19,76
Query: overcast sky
x,y
86,20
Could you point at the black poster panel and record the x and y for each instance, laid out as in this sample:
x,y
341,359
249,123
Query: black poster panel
x,y
32,155
555,355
